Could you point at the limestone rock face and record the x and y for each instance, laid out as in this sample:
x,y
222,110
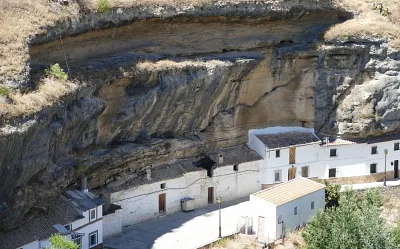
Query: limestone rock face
x,y
158,90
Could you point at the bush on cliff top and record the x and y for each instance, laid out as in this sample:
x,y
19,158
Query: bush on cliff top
x,y
56,71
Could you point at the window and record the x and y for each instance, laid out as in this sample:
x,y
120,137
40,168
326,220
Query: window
x,y
333,153
78,241
93,239
295,211
312,205
374,150
372,168
280,221
277,175
396,146
277,153
304,171
68,227
92,214
209,172
162,186
235,167
332,172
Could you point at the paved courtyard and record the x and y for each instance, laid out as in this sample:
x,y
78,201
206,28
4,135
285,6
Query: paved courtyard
x,y
181,230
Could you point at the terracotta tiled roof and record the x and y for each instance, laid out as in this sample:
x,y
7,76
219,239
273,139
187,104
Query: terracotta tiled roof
x,y
41,227
286,139
289,191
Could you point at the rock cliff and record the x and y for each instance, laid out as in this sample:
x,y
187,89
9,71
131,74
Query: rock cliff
x,y
157,89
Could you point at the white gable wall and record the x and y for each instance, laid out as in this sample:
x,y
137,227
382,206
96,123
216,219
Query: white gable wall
x,y
262,208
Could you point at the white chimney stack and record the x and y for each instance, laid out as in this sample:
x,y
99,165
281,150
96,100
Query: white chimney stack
x,y
148,173
84,188
221,158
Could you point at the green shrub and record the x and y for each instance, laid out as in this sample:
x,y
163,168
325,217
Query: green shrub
x,y
354,223
103,6
4,91
56,71
332,194
57,241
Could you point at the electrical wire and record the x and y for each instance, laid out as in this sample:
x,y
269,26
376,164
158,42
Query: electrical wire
x,y
65,57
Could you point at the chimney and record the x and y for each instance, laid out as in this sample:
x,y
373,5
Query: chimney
x,y
326,140
148,173
221,158
84,188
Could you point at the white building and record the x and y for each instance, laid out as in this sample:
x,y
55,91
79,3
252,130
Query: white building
x,y
76,214
289,152
232,173
285,206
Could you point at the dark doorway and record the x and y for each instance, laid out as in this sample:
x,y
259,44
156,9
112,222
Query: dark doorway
x,y
396,168
161,204
292,173
210,195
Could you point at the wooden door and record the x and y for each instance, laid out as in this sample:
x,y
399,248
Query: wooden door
x,y
292,155
210,195
261,227
161,204
396,168
292,173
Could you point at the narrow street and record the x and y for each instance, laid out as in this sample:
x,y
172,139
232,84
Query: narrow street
x,y
181,230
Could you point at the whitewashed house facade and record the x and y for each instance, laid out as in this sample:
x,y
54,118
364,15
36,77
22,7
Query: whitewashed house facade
x,y
234,174
284,207
76,214
290,152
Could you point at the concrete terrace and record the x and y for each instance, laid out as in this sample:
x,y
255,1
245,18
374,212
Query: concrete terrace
x,y
181,230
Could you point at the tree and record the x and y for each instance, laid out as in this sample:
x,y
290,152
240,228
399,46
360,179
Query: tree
x,y
355,223
332,194
57,241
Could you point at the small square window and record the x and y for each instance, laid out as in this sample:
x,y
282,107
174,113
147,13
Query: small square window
x,y
277,153
68,227
92,214
333,153
374,150
304,171
332,172
312,205
92,239
78,241
162,185
295,211
236,167
396,146
372,168
277,175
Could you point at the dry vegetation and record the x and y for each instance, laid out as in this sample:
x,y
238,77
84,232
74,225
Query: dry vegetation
x,y
391,210
239,241
369,22
49,92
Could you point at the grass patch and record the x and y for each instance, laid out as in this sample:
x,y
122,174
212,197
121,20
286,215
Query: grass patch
x,y
103,6
49,92
4,91
56,71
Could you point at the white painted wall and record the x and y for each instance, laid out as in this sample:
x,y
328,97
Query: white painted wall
x,y
352,160
304,211
262,208
141,203
112,224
